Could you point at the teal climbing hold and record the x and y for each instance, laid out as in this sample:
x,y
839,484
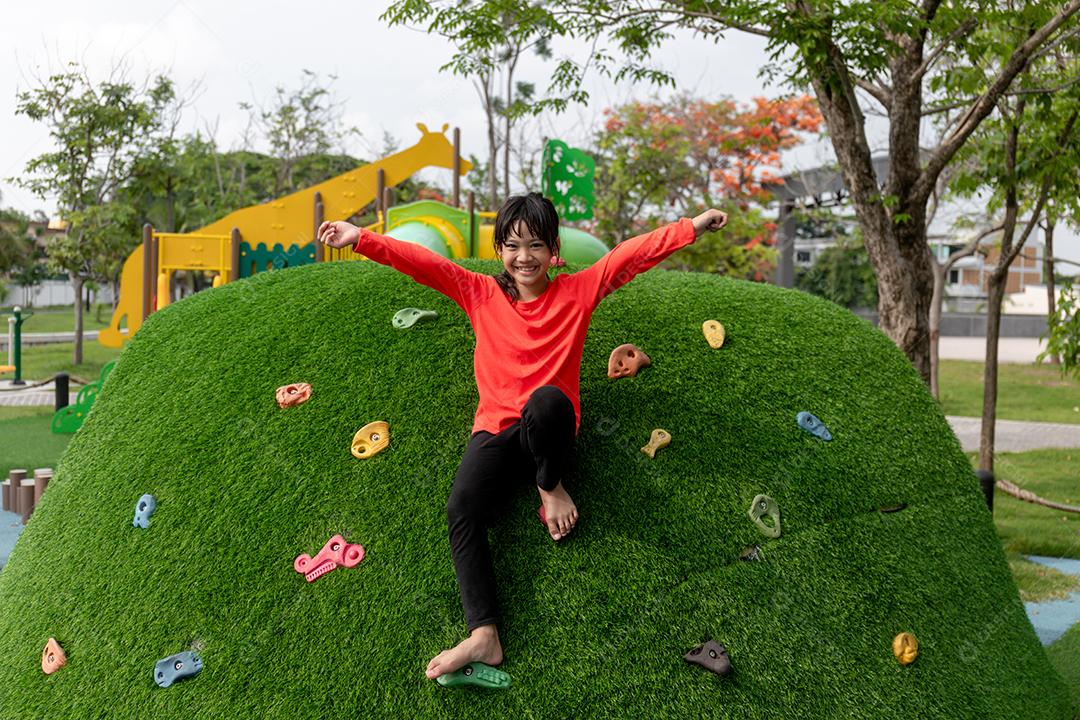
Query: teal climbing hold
x,y
407,317
762,506
478,674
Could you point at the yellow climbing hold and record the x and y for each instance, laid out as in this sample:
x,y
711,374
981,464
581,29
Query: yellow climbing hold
x,y
658,439
714,333
370,439
905,647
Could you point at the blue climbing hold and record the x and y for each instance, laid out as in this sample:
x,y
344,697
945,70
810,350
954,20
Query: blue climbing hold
x,y
812,425
176,667
143,510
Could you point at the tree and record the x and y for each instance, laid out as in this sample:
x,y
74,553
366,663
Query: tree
x,y
842,273
1063,335
98,131
683,155
857,54
491,38
1027,154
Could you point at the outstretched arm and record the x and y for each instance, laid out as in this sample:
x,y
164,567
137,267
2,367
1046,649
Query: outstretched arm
x,y
419,263
638,254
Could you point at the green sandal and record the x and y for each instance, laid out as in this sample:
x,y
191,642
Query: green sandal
x,y
476,673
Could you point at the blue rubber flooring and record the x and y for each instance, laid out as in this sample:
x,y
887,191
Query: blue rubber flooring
x,y
1053,617
10,527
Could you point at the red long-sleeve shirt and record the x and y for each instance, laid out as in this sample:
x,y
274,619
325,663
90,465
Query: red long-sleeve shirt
x,y
523,345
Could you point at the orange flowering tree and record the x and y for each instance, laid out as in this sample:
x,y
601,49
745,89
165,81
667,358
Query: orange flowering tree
x,y
660,160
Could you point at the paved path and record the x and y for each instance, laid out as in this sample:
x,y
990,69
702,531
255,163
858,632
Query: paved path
x,y
1015,435
1010,349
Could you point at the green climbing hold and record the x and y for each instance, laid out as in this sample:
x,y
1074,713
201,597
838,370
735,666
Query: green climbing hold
x,y
407,317
764,505
478,674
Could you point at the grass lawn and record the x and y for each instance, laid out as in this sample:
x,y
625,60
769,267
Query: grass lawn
x,y
60,319
28,442
1025,392
43,361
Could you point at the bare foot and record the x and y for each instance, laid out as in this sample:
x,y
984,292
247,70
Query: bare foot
x,y
481,646
560,511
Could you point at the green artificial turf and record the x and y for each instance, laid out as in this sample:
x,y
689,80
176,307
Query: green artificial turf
x,y
1065,656
595,626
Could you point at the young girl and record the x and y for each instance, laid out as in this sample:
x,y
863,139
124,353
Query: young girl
x,y
530,333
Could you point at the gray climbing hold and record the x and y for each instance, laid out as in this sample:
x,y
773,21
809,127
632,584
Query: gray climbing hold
x,y
407,317
176,667
712,656
764,505
812,425
143,510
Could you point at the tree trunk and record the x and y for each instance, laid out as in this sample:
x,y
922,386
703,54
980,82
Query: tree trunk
x,y
995,294
936,301
1048,271
77,356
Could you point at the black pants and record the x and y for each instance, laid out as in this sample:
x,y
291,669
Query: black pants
x,y
537,448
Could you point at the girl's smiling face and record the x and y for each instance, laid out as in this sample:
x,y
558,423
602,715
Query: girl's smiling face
x,y
526,258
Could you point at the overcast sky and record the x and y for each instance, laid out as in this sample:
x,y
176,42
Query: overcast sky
x,y
387,79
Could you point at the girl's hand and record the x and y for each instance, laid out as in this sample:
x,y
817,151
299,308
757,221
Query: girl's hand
x,y
338,234
709,221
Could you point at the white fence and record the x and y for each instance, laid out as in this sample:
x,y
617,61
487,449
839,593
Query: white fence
x,y
50,292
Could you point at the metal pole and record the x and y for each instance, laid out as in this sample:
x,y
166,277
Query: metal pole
x,y
457,167
17,344
319,257
471,210
148,278
380,186
234,253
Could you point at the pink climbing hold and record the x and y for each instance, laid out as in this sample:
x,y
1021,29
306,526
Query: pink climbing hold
x,y
335,553
295,394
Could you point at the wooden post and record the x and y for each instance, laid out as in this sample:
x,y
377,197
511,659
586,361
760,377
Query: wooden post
x,y
471,210
234,252
457,167
380,187
42,476
148,278
26,499
319,257
10,488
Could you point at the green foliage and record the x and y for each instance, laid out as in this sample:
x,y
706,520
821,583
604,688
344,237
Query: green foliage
x,y
16,248
99,130
1063,329
842,273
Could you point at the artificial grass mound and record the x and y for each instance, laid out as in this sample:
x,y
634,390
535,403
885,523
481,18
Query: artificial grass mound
x,y
595,626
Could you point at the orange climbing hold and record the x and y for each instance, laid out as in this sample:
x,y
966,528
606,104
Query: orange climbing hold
x,y
625,361
52,657
295,394
905,647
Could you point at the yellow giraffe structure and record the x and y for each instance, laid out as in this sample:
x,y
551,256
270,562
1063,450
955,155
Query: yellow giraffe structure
x,y
288,221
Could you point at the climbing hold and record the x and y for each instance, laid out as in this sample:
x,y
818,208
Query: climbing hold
x,y
407,317
751,553
52,657
176,667
335,553
658,439
712,656
764,505
714,333
625,361
294,394
812,425
370,439
892,508
478,674
905,647
143,510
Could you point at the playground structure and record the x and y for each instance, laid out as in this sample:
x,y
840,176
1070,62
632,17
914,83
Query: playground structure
x,y
284,230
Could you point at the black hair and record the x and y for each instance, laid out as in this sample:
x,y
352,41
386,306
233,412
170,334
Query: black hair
x,y
539,216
